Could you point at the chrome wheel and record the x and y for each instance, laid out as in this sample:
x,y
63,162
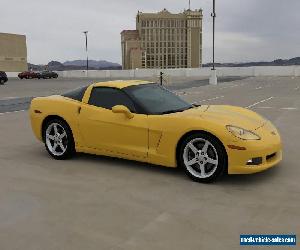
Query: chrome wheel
x,y
200,158
56,139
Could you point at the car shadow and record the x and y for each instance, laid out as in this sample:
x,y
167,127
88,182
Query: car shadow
x,y
130,164
226,180
251,179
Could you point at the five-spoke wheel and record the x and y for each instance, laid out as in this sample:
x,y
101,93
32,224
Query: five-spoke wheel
x,y
203,157
58,139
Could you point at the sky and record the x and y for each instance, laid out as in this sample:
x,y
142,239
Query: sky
x,y
246,30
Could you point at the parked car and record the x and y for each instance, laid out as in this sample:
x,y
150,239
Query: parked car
x,y
28,75
3,77
143,121
47,74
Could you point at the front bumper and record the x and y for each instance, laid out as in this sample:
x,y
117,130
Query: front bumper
x,y
268,150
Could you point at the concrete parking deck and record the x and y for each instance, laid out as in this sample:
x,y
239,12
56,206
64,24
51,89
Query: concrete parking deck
x,y
92,202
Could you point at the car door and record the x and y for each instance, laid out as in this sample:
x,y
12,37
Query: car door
x,y
110,132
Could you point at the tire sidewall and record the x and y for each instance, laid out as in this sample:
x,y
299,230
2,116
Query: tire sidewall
x,y
70,143
222,157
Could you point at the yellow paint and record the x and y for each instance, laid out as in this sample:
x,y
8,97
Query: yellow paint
x,y
154,138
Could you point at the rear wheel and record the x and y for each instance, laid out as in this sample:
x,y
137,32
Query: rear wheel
x,y
58,139
2,81
203,157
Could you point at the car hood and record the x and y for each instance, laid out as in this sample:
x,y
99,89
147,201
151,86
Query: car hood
x,y
227,115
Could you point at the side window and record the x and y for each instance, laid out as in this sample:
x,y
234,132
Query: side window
x,y
105,97
76,94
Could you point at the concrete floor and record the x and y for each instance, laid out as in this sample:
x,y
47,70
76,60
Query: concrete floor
x,y
93,202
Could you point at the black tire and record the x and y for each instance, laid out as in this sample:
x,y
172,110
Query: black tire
x,y
2,82
217,153
68,141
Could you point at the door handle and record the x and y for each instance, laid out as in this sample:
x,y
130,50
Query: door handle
x,y
79,110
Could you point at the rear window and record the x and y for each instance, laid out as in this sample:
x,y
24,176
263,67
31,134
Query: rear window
x,y
76,94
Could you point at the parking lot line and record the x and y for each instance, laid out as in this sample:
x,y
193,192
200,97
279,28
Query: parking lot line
x,y
254,104
8,98
215,98
232,86
10,112
289,108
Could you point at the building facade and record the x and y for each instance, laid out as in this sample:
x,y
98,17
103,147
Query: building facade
x,y
164,40
13,53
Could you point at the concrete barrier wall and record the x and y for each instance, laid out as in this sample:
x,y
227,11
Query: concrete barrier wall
x,y
275,71
143,73
297,71
236,71
171,73
199,72
12,74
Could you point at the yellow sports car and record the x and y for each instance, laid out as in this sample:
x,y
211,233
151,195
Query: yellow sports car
x,y
143,121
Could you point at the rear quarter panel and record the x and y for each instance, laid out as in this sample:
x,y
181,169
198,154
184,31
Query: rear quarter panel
x,y
65,108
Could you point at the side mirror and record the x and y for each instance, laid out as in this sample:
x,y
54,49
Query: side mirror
x,y
124,110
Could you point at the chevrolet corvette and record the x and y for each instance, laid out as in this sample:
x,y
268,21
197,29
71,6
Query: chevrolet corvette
x,y
143,121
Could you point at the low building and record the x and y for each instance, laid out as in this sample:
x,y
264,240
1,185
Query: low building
x,y
13,53
164,40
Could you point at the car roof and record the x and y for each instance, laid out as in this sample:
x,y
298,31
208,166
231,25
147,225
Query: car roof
x,y
120,84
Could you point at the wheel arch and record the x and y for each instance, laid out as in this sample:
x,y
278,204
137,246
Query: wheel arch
x,y
183,137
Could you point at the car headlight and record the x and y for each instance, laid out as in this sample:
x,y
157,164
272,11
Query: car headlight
x,y
242,133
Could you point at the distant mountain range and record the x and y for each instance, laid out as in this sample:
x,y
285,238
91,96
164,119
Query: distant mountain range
x,y
105,65
277,62
76,65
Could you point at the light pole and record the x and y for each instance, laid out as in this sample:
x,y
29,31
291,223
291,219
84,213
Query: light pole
x,y
213,79
86,50
214,25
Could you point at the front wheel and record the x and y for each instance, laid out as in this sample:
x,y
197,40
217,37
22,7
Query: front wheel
x,y
59,140
203,157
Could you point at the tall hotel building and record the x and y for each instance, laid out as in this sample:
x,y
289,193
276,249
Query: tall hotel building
x,y
164,40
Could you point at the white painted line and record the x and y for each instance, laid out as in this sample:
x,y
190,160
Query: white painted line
x,y
11,112
264,107
8,98
232,86
215,98
289,108
258,88
254,104
193,93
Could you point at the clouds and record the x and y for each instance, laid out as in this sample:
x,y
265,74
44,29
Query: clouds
x,y
246,29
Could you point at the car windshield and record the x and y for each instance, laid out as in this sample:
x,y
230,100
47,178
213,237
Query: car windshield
x,y
156,99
